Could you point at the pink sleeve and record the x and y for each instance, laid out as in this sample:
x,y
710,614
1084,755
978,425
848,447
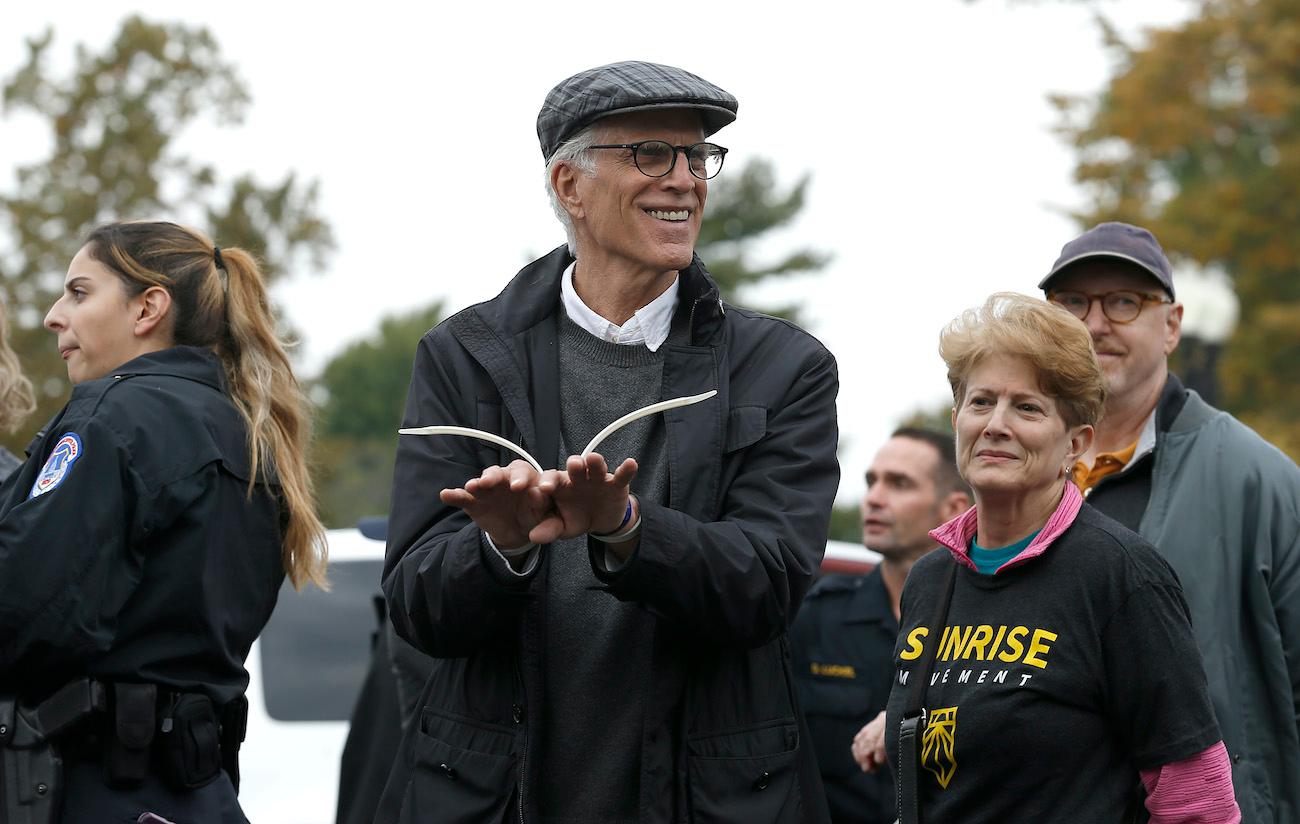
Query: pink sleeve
x,y
1196,790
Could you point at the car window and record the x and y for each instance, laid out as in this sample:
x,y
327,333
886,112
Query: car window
x,y
316,647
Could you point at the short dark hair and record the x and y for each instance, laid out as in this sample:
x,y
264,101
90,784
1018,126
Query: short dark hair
x,y
946,477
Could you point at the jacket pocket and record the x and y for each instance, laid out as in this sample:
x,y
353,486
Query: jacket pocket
x,y
464,771
745,775
745,426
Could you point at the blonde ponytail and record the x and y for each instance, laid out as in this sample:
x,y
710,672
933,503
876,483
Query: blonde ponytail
x,y
273,406
220,302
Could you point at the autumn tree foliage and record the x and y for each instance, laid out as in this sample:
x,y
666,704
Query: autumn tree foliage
x,y
1197,136
113,122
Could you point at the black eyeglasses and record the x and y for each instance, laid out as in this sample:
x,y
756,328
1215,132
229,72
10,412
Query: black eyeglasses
x,y
1121,306
656,158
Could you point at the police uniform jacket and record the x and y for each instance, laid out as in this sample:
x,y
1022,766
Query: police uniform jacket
x,y
130,548
843,650
723,567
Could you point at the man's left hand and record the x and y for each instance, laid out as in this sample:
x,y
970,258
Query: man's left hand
x,y
586,498
869,745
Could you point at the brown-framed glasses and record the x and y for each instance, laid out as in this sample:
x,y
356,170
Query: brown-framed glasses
x,y
1120,306
656,158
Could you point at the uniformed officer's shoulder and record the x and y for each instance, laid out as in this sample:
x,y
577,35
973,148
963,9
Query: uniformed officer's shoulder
x,y
129,395
830,586
169,424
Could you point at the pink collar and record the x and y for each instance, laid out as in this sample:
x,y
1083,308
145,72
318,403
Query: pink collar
x,y
956,535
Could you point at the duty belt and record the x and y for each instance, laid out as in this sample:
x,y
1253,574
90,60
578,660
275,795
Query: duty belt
x,y
31,770
138,728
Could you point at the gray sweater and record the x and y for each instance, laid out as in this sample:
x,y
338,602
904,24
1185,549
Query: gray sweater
x,y
597,647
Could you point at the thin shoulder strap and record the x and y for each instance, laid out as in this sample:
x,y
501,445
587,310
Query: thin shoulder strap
x,y
912,725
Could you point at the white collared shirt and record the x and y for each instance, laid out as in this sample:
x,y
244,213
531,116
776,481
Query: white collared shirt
x,y
648,325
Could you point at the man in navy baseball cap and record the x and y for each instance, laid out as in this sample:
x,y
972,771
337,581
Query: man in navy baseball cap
x,y
1216,499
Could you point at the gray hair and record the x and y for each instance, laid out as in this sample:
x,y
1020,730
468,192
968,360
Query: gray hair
x,y
576,151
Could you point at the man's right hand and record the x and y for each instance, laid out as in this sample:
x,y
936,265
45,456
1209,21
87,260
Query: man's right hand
x,y
505,502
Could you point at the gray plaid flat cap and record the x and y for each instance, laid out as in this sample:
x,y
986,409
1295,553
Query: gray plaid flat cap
x,y
628,87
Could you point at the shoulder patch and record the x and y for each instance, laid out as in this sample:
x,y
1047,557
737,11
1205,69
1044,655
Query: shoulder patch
x,y
57,466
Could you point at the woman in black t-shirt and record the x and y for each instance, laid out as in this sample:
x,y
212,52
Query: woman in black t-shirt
x,y
1064,676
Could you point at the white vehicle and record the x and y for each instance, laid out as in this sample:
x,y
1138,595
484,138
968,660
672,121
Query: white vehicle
x,y
306,670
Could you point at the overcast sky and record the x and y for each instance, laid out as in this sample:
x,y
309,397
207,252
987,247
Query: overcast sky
x,y
925,125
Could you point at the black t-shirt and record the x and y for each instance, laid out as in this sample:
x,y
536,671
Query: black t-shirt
x,y
1056,681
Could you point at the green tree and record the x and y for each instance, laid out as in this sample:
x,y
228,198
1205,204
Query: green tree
x,y
366,382
364,390
1197,136
846,523
113,122
744,206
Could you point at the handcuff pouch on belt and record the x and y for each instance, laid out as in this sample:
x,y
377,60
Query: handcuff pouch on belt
x,y
189,742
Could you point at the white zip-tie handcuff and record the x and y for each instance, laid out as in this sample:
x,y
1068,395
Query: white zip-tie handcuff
x,y
654,408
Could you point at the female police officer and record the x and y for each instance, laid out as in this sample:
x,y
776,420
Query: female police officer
x,y
143,543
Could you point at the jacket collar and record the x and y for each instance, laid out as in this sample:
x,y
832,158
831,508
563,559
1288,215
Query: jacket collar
x,y
1190,412
189,362
1172,399
533,294
956,535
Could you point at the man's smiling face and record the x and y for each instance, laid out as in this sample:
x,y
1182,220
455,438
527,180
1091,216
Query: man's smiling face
x,y
629,221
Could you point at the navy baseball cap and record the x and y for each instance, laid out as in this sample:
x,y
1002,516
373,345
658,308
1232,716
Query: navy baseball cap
x,y
1120,241
630,86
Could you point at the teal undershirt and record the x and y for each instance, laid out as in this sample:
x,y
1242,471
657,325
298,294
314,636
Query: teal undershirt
x,y
987,561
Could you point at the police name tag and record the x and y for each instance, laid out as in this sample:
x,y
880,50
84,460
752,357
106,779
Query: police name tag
x,y
57,466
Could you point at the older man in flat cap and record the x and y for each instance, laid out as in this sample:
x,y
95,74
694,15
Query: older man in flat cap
x,y
609,636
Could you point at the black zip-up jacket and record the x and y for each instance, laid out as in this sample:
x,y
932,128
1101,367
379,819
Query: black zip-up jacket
x,y
130,549
723,567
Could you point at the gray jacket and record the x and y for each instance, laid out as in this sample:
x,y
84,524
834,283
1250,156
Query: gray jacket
x,y
1225,512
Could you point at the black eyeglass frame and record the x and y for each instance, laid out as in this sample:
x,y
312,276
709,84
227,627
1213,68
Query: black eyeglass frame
x,y
686,150
1100,297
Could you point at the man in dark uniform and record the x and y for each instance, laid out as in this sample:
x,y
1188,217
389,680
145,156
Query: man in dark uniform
x,y
843,639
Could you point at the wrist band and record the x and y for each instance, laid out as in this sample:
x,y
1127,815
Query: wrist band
x,y
509,553
627,516
618,538
517,553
